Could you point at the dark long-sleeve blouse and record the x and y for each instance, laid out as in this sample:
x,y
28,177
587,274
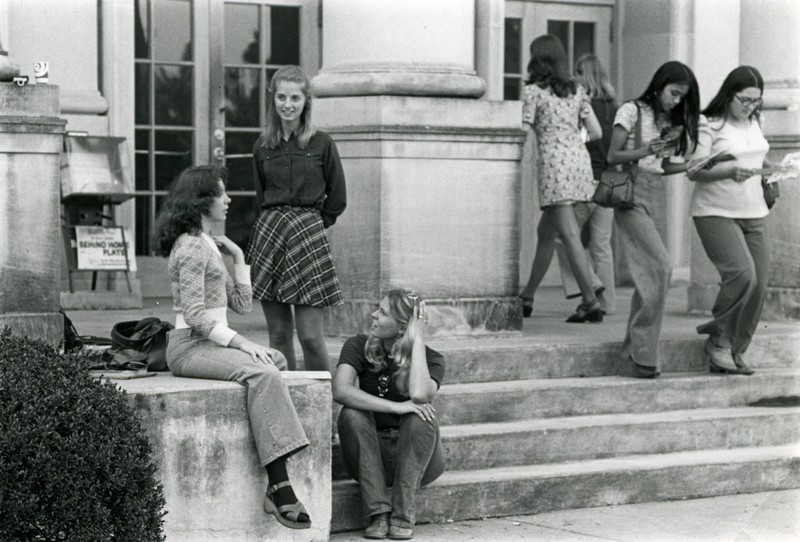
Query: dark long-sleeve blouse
x,y
310,177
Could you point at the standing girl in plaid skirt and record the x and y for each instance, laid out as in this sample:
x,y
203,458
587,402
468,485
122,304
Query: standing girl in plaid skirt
x,y
300,188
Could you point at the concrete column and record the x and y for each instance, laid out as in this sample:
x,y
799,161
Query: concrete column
x,y
433,176
767,39
409,48
31,137
489,45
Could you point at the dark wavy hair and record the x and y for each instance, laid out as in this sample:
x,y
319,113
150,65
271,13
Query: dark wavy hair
x,y
687,112
190,198
739,79
548,66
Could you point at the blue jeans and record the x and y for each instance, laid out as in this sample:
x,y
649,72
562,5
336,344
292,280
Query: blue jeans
x,y
273,419
739,249
405,458
650,268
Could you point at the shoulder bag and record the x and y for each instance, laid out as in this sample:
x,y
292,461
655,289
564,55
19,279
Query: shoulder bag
x,y
615,188
145,339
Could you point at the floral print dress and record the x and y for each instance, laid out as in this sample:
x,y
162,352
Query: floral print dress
x,y
563,164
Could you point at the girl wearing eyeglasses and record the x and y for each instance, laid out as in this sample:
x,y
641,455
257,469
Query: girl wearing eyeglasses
x,y
671,102
728,209
388,430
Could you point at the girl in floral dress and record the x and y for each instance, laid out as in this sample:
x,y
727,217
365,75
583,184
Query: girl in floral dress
x,y
554,108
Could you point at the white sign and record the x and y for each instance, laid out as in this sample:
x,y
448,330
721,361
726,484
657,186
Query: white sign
x,y
103,249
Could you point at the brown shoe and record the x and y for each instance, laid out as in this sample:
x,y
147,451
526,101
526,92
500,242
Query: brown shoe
x,y
379,527
400,533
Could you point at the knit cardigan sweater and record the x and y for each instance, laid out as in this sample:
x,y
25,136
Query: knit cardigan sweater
x,y
202,289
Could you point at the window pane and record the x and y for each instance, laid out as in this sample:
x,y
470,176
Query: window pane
x,y
241,34
142,172
142,29
512,55
173,88
242,214
241,97
511,88
240,173
240,143
144,224
584,39
173,155
283,41
560,29
142,140
142,97
172,30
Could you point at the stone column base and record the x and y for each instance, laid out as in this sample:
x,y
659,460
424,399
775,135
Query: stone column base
x,y
447,317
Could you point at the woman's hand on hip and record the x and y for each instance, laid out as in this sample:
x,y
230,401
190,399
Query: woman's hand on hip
x,y
425,410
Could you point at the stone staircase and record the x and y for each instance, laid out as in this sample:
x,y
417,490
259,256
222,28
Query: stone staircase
x,y
529,428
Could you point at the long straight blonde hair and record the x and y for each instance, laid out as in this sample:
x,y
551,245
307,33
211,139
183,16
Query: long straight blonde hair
x,y
401,308
590,72
272,131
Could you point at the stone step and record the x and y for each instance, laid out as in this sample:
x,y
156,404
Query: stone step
x,y
522,359
529,442
484,402
531,489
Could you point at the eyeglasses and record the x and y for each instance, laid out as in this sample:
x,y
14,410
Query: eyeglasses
x,y
383,385
748,102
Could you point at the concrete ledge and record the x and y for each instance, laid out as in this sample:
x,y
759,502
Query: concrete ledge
x,y
47,327
89,300
213,483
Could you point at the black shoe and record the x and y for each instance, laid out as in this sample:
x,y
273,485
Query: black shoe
x,y
644,371
587,312
527,306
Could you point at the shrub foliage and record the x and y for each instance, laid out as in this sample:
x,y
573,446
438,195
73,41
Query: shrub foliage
x,y
75,464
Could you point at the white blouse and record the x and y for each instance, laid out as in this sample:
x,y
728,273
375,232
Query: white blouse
x,y
726,197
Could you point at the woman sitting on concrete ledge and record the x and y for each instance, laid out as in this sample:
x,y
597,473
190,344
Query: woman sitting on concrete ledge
x,y
203,346
387,428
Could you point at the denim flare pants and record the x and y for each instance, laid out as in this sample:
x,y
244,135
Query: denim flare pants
x,y
649,265
273,419
405,458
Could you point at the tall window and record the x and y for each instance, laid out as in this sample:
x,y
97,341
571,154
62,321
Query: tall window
x,y
183,43
258,40
512,60
578,38
164,116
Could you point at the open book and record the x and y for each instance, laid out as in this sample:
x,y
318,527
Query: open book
x,y
700,163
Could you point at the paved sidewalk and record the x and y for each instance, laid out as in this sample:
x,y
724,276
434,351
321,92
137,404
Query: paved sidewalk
x,y
546,326
758,517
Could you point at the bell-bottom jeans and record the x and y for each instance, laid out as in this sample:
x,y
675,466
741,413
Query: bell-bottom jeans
x,y
273,419
739,249
405,458
649,265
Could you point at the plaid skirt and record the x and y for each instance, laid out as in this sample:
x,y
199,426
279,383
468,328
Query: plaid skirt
x,y
290,260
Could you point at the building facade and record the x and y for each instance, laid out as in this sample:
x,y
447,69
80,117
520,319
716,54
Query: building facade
x,y
184,81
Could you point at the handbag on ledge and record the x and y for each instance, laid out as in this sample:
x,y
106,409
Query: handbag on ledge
x,y
615,188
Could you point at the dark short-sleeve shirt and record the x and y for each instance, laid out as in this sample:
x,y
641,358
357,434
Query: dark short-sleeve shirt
x,y
353,354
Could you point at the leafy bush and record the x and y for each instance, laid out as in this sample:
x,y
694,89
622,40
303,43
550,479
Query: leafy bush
x,y
75,464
